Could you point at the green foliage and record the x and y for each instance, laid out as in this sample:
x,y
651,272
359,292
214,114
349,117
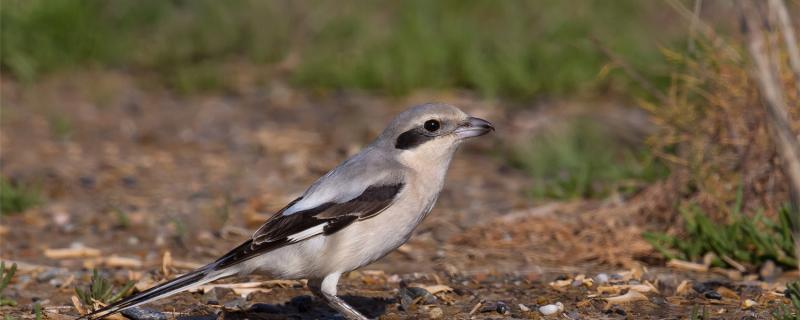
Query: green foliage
x,y
516,49
749,240
37,311
16,198
101,289
584,160
793,311
5,279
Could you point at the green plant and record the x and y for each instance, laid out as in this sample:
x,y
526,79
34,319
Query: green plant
x,y
793,311
37,311
745,239
5,279
101,290
16,198
583,160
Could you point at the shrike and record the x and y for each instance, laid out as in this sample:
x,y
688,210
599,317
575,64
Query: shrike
x,y
355,214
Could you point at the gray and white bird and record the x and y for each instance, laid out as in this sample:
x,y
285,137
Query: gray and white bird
x,y
355,214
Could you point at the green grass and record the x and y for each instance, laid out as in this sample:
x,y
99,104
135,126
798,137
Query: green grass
x,y
513,49
15,198
793,311
750,240
5,279
102,290
584,160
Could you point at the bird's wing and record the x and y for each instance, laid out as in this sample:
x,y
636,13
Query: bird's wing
x,y
346,194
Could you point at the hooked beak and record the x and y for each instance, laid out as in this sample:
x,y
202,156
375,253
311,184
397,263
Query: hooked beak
x,y
473,127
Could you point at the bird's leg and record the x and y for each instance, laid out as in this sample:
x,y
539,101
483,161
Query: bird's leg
x,y
325,289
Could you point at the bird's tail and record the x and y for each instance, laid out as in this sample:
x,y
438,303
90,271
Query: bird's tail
x,y
185,282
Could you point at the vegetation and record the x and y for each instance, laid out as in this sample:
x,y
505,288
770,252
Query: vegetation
x,y
16,198
559,164
747,240
101,290
714,135
508,48
5,279
793,311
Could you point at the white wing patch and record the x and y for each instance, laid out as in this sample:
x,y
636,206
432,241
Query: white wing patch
x,y
307,233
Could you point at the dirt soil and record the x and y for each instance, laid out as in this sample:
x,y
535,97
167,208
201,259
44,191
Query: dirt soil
x,y
138,174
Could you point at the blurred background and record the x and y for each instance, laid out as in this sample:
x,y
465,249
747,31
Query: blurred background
x,y
631,135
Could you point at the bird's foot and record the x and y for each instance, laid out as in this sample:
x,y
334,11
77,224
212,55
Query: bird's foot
x,y
342,307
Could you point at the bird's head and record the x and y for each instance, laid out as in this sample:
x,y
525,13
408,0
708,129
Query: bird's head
x,y
431,132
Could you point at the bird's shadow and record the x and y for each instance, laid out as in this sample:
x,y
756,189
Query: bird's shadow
x,y
306,308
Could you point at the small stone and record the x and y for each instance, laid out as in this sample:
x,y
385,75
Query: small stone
x,y
235,304
436,313
524,308
712,294
502,308
551,308
47,275
411,295
139,313
601,278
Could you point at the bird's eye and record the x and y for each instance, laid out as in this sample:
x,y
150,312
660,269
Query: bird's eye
x,y
432,125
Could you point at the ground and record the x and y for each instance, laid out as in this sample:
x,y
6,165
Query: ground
x,y
136,172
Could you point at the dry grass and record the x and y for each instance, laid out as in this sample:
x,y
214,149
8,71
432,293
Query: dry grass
x,y
719,139
714,133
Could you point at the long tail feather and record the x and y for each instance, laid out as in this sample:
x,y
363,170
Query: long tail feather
x,y
185,282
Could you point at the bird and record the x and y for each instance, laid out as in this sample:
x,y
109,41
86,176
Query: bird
x,y
355,214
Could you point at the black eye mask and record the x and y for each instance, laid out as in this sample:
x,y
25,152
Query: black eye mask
x,y
412,138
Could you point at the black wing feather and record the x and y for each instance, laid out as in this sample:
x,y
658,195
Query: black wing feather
x,y
336,216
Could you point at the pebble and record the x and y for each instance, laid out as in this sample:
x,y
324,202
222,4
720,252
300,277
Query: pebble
x,y
551,308
499,307
436,313
601,278
48,275
235,304
139,313
703,287
502,308
524,308
409,295
712,294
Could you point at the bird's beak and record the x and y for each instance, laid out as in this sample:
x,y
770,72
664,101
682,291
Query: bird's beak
x,y
473,127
